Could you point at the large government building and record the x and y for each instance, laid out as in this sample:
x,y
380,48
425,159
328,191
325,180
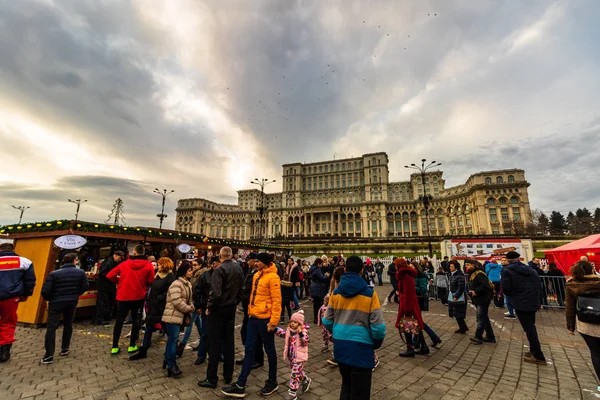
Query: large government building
x,y
354,198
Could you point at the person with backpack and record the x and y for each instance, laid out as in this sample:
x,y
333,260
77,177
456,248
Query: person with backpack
x,y
493,270
481,290
441,284
584,288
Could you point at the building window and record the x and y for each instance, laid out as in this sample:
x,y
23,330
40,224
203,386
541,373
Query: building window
x,y
514,200
499,179
491,201
504,212
488,180
503,200
493,216
511,179
468,220
516,214
441,223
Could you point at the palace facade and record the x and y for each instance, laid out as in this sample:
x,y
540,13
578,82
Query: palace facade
x,y
354,198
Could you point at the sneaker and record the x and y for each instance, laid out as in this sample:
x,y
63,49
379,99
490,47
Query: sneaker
x,y
476,340
325,348
269,388
234,391
306,384
332,362
114,351
534,360
47,360
376,364
509,316
64,352
132,349
291,395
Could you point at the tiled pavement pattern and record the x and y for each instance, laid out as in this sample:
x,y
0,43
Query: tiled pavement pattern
x,y
458,370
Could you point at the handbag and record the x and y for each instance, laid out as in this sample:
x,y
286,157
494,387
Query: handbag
x,y
461,299
410,325
588,309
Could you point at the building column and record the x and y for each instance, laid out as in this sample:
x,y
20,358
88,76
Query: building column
x,y
332,223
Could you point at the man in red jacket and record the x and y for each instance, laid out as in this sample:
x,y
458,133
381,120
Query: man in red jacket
x,y
133,277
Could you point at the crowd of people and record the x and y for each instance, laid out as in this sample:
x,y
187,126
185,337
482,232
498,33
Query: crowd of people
x,y
205,293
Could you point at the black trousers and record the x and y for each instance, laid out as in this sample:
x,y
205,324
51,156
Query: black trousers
x,y
356,382
442,293
105,303
462,325
259,354
498,300
527,320
123,308
594,345
54,313
221,327
317,304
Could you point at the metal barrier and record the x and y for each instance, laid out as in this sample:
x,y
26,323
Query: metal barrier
x,y
553,290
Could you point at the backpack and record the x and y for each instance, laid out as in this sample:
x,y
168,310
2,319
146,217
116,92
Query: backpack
x,y
490,283
588,309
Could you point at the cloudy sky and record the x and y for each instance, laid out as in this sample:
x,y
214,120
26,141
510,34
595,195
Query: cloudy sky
x,y
108,99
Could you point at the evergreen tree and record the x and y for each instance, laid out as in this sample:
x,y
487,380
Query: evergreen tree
x,y
584,221
558,225
597,220
543,224
571,223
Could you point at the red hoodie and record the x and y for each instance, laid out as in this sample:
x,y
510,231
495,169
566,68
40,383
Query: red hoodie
x,y
133,277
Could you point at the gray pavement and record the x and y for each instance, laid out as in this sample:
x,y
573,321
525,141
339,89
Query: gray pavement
x,y
457,370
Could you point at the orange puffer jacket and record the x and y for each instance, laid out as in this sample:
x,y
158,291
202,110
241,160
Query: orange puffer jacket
x,y
265,299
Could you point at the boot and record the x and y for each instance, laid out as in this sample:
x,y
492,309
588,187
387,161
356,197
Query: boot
x,y
174,372
423,351
141,354
179,350
410,352
5,353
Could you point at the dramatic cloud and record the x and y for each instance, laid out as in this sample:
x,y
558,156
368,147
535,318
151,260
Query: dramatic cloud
x,y
104,99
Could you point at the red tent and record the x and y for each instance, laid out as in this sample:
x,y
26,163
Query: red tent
x,y
567,255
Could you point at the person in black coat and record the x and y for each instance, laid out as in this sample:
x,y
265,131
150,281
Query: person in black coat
x,y
521,284
319,287
481,293
392,274
558,282
156,302
61,290
457,306
105,302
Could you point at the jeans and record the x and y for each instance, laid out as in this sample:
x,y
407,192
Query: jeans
x,y
104,306
171,348
123,308
356,382
509,306
196,320
257,328
295,298
301,290
259,354
8,320
380,278
221,327
593,344
203,345
527,320
413,341
317,304
430,332
54,313
483,322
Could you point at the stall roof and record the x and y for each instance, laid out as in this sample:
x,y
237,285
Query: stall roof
x,y
589,242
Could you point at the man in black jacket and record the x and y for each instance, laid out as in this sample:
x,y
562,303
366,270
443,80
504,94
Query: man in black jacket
x,y
481,296
61,290
521,284
105,302
201,294
392,274
259,355
227,286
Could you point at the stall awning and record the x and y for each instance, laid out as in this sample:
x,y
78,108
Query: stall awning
x,y
568,254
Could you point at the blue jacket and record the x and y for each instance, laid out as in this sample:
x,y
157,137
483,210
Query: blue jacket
x,y
355,319
65,285
521,284
17,277
492,270
319,283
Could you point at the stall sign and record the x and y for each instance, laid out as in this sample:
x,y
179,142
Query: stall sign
x,y
184,248
70,242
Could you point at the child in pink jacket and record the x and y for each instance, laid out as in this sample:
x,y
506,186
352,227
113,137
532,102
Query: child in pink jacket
x,y
296,350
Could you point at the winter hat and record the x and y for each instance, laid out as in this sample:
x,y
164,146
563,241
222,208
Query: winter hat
x,y
298,316
265,258
252,256
513,255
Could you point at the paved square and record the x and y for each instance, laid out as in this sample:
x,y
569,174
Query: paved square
x,y
457,370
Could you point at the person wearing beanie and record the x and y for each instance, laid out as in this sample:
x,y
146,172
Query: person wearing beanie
x,y
355,319
264,311
296,351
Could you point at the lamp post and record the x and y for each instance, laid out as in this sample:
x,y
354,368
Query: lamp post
x,y
164,195
78,202
22,209
425,198
261,209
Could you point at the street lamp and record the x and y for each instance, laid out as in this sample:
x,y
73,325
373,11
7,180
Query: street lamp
x,y
78,202
261,209
164,195
22,209
425,198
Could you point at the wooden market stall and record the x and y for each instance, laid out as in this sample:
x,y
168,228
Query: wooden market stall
x,y
36,242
